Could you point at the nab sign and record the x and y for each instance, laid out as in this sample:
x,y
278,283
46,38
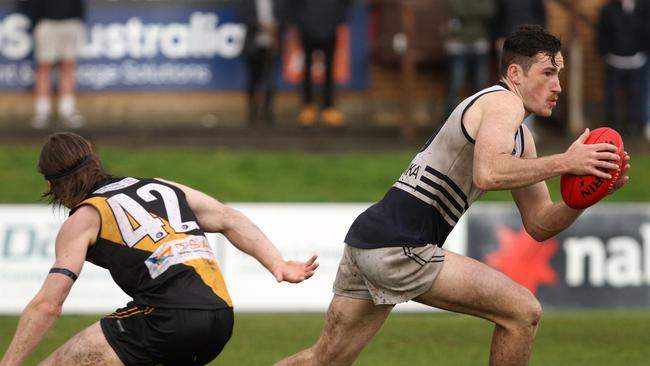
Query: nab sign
x,y
601,261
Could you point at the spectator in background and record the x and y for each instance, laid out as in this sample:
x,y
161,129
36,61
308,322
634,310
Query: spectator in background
x,y
510,15
264,20
317,22
58,33
622,35
513,13
468,46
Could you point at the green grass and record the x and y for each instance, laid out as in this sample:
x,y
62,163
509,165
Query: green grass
x,y
565,338
576,338
253,176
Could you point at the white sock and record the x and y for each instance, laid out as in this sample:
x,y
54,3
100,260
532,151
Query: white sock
x,y
67,105
42,105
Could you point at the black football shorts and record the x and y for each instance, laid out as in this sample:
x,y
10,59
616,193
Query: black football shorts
x,y
147,336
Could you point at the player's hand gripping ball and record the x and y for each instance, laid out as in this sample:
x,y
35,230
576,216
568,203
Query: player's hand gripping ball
x,y
582,191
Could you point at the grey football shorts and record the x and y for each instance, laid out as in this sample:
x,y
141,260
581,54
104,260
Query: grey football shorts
x,y
390,275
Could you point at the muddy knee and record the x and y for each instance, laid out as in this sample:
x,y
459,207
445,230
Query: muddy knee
x,y
334,351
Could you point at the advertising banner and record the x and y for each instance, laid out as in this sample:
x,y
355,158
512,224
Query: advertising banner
x,y
170,45
601,261
28,232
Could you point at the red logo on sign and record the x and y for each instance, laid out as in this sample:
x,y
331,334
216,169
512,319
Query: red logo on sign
x,y
523,259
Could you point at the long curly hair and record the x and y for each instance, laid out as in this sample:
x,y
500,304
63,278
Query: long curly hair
x,y
72,168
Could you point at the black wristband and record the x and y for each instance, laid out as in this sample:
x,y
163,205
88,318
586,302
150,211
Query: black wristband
x,y
64,271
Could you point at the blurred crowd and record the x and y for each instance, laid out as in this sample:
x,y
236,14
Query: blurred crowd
x,y
474,36
317,22
623,41
623,34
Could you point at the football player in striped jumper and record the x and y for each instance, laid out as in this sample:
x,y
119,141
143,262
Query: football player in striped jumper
x,y
393,250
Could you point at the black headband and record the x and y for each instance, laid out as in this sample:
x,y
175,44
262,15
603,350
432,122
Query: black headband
x,y
83,162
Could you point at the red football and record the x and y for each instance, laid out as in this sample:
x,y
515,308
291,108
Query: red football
x,y
582,191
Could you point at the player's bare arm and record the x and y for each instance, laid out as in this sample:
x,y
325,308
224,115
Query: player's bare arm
x,y
542,218
77,233
499,116
213,216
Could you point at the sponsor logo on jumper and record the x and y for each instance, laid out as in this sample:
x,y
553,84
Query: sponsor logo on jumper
x,y
523,259
162,257
178,251
412,171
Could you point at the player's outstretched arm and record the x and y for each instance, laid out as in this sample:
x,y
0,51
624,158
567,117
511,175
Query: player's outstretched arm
x,y
76,234
247,237
213,216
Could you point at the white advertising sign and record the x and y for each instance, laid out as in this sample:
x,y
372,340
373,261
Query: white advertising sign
x,y
27,234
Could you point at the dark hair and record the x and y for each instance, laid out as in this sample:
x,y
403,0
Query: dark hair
x,y
523,46
71,166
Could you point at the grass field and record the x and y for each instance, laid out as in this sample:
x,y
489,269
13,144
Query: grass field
x,y
251,176
573,338
585,338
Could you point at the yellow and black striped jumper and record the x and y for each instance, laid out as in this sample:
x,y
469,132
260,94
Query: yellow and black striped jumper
x,y
152,245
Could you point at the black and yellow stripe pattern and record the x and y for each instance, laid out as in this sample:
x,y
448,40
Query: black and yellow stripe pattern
x,y
194,283
130,311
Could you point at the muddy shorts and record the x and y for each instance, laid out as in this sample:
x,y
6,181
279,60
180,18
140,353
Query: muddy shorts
x,y
389,275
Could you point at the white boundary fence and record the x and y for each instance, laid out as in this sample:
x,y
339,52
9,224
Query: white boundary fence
x,y
605,255
27,234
